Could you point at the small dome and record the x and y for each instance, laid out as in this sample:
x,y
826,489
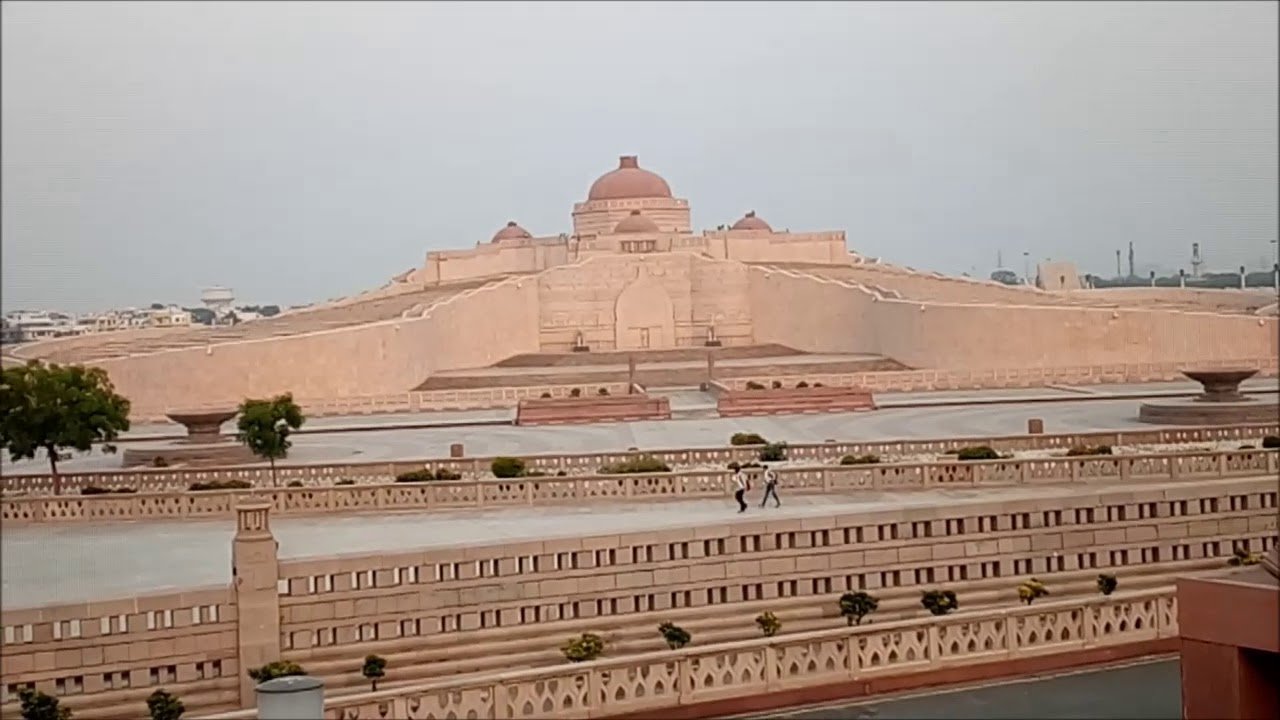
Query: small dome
x,y
628,181
751,222
511,232
636,223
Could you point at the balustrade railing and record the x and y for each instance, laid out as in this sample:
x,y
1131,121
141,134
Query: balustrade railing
x,y
552,490
654,682
178,479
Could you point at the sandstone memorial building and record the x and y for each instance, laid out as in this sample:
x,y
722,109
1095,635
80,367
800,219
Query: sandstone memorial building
x,y
632,276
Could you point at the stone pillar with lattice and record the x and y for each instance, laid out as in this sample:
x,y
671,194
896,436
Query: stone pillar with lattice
x,y
255,574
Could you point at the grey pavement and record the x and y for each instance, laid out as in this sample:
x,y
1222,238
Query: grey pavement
x,y
885,424
1147,690
50,563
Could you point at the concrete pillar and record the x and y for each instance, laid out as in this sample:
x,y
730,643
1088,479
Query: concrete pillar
x,y
255,572
631,373
456,450
1242,276
298,697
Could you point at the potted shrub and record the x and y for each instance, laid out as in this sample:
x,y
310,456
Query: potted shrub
x,y
856,605
675,636
1031,590
587,646
162,705
277,669
768,623
1107,583
939,602
507,467
375,668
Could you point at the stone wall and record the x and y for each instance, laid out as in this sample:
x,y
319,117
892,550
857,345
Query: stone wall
x,y
490,605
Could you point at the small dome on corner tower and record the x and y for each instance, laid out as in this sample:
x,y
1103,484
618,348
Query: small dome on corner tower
x,y
751,222
636,223
511,232
629,181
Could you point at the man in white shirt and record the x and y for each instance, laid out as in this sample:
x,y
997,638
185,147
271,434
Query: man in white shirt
x,y
743,485
770,487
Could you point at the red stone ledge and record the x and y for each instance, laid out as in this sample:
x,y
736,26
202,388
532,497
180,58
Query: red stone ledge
x,y
592,409
792,401
868,688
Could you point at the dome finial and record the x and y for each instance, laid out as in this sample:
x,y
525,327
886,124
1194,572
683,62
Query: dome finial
x,y
628,161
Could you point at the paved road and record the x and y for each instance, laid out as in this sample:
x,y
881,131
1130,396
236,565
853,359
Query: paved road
x,y
71,563
1150,690
892,423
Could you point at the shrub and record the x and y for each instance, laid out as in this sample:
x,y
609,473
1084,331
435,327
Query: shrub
x,y
802,384
736,466
447,474
868,459
602,391
1241,557
576,392
856,605
977,452
162,705
95,490
294,483
38,706
776,384
587,646
374,669
1107,583
561,473
817,384
753,385
1247,446
422,475
220,485
1031,590
676,636
545,395
1271,442
747,439
159,462
507,467
641,464
773,452
1078,450
277,669
939,602
345,481
768,623
535,473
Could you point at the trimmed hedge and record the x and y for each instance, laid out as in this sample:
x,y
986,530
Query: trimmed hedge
x,y
977,452
1271,442
747,439
95,490
425,475
507,467
220,485
641,464
1078,450
868,459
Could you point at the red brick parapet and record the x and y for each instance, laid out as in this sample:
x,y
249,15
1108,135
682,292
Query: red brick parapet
x,y
787,401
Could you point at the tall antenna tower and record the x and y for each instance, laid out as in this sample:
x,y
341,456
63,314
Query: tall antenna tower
x,y
1196,262
999,260
1118,263
1131,273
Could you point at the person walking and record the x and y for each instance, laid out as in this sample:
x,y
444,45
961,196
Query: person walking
x,y
770,487
740,481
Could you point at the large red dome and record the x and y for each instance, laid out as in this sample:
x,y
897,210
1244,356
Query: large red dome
x,y
628,181
636,223
751,222
511,232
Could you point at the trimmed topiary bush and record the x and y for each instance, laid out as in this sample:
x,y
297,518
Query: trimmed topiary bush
x,y
1107,583
587,646
277,669
753,385
802,384
220,485
507,467
95,490
159,462
373,670
856,605
294,483
939,602
868,459
345,481
447,474
421,475
676,636
1031,590
602,391
977,452
1271,442
641,464
164,705
773,452
1079,450
747,439
768,623
576,392
776,384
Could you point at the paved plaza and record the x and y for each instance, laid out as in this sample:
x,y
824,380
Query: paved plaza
x,y
1149,690
488,440
49,563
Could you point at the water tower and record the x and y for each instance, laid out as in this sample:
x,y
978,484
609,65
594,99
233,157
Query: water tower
x,y
218,299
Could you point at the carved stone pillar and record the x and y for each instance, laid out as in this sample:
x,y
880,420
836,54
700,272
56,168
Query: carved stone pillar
x,y
254,575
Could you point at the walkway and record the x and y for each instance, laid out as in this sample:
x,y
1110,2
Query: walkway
x,y
1150,690
71,563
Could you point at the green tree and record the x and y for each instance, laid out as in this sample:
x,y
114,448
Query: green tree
x,y
768,623
856,605
38,706
52,407
675,636
163,705
939,602
264,427
1107,583
1031,590
375,668
583,648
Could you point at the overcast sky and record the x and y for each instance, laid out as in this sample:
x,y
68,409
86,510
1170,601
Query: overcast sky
x,y
302,151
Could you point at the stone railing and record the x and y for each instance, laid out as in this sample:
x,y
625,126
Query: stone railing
x,y
544,491
177,479
654,682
